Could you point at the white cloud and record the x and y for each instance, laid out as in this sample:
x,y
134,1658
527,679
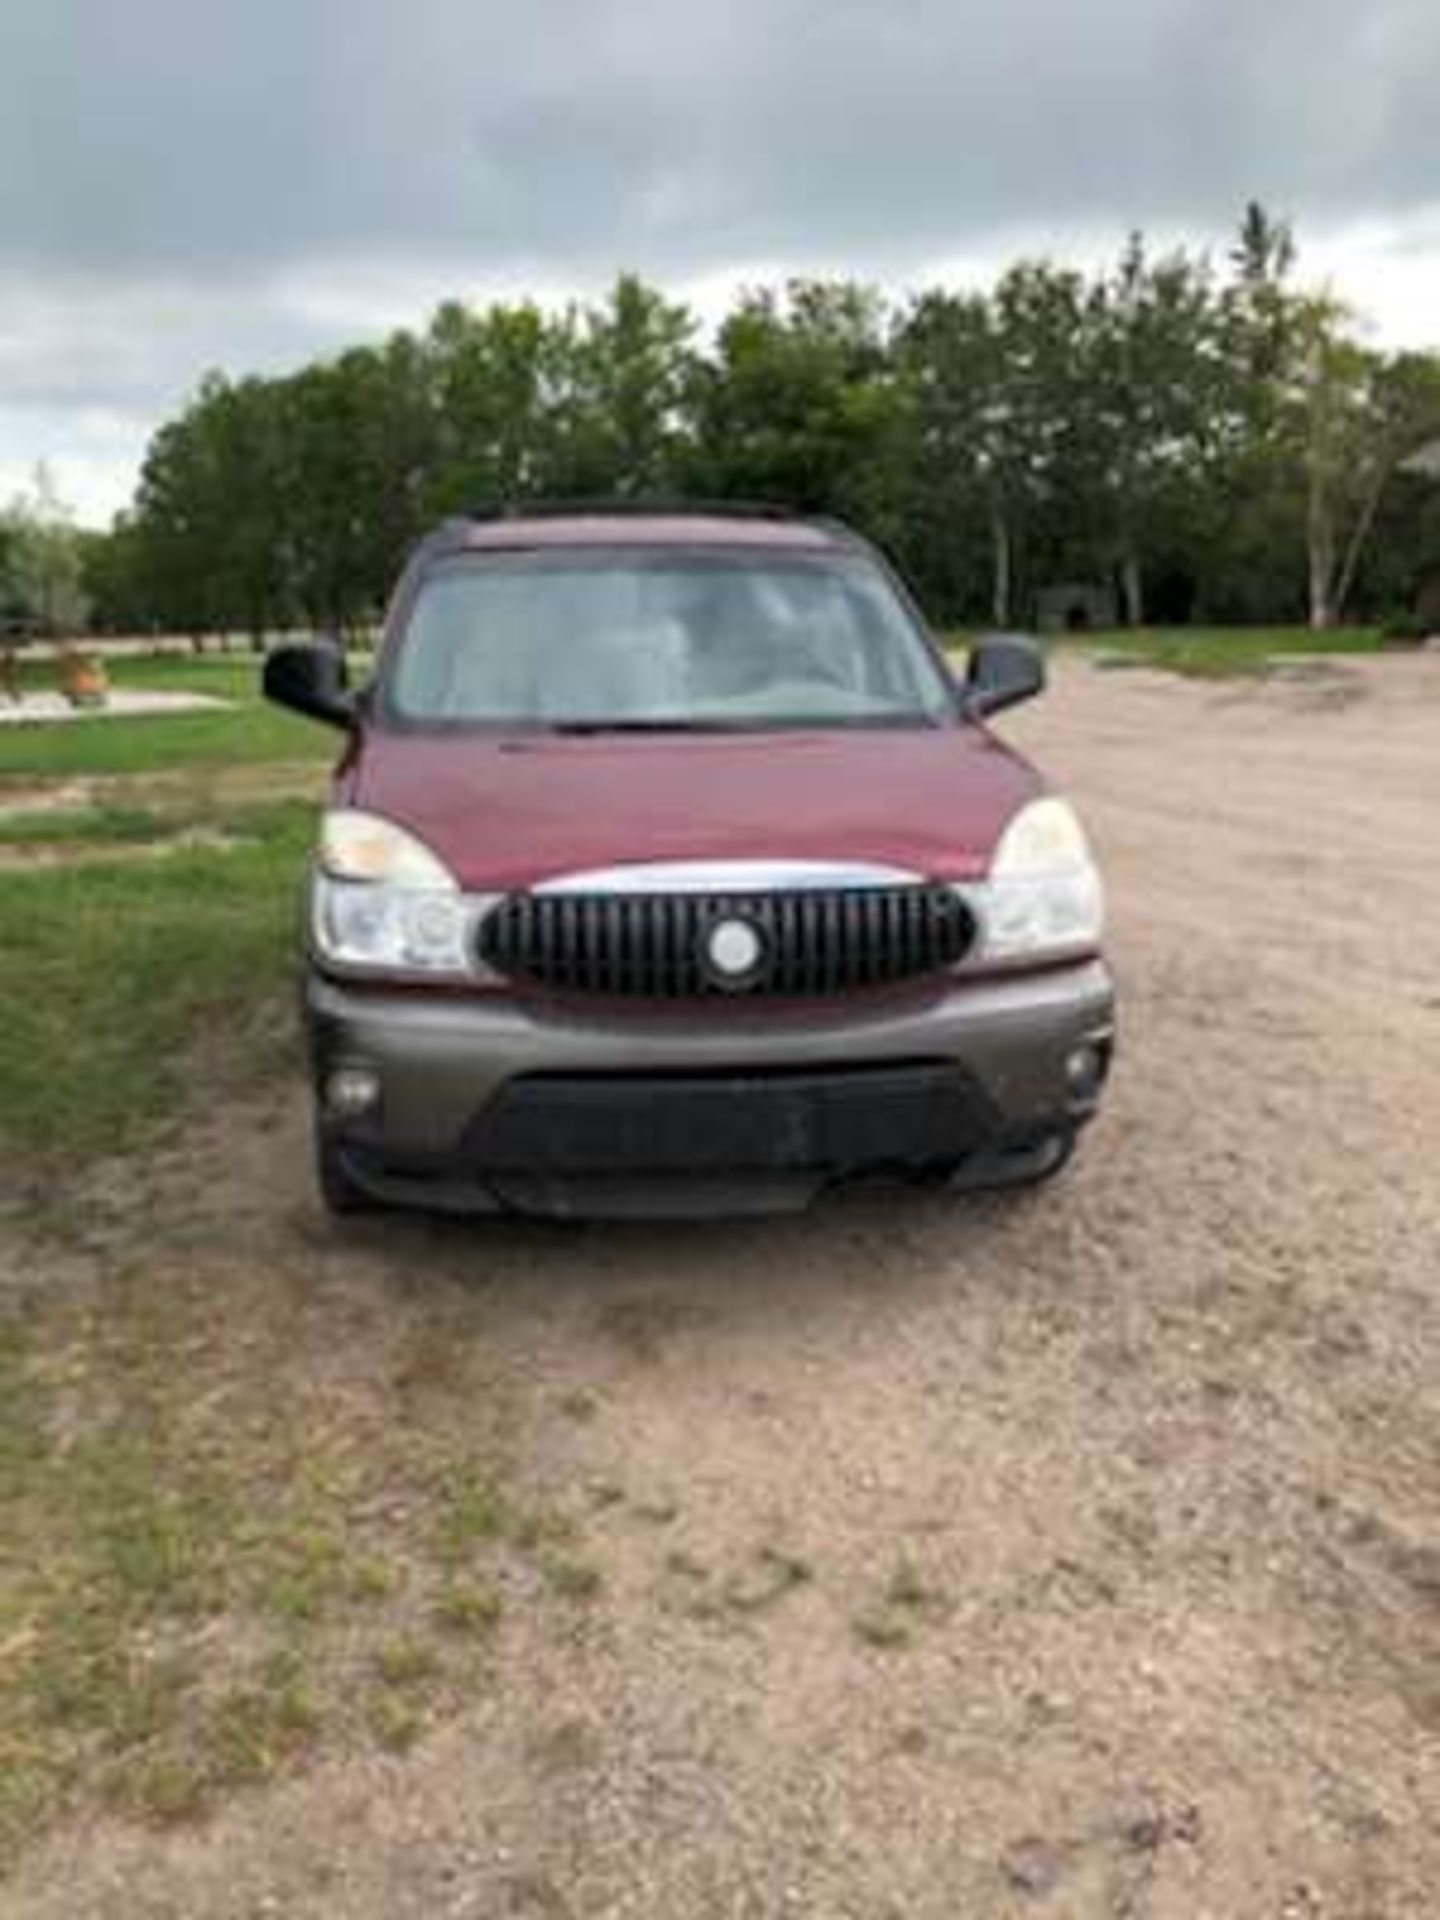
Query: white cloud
x,y
157,345
94,486
1389,272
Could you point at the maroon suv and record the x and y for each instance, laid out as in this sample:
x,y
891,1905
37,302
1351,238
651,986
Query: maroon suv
x,y
668,869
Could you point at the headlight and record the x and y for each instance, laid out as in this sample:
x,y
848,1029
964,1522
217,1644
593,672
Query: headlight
x,y
1043,899
363,846
382,902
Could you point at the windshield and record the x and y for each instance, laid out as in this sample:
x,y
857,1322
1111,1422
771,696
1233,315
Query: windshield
x,y
639,639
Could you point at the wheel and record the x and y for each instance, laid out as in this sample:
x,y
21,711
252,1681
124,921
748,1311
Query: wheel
x,y
341,1193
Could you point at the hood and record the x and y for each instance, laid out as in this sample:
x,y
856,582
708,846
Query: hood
x,y
507,812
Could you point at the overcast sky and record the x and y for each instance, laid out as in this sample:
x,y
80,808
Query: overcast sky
x,y
244,183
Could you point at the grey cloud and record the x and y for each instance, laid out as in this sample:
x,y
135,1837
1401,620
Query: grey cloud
x,y
83,341
224,140
186,183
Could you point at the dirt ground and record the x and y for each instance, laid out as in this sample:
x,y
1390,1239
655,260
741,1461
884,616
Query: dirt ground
x,y
1106,1521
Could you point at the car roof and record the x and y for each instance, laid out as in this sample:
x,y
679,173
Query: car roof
x,y
607,525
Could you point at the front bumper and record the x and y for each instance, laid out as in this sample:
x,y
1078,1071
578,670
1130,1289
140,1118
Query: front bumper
x,y
498,1102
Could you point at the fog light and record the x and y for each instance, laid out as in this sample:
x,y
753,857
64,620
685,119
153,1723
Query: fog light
x,y
1084,1070
351,1091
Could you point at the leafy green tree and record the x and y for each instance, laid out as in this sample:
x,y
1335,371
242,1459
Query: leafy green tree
x,y
119,596
1357,416
1321,422
492,379
626,378
1253,565
956,481
1041,447
1332,417
1401,416
10,605
1154,394
327,482
42,588
185,514
1258,301
795,402
43,583
1227,440
1393,556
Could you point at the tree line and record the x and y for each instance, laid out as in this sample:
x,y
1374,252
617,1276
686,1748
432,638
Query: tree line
x,y
1199,441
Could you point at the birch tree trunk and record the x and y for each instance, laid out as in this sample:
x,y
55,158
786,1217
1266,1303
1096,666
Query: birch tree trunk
x,y
1320,542
1360,533
1000,594
1132,589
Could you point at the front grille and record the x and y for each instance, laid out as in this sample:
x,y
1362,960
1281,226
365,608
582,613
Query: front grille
x,y
883,1114
811,942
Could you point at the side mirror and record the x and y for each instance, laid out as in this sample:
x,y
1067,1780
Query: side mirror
x,y
312,679
1004,669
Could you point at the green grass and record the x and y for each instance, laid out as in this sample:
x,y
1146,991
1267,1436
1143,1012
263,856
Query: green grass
x,y
87,831
883,1629
470,1510
189,1600
468,1606
567,1575
251,731
110,972
761,1581
210,1569
102,826
149,743
772,1575
224,676
404,1661
908,1592
1199,652
229,676
1222,652
907,1603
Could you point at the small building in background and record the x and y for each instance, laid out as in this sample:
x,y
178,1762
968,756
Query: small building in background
x,y
1077,607
1425,462
1427,600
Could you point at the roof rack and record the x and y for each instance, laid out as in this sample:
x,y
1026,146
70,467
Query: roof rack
x,y
630,508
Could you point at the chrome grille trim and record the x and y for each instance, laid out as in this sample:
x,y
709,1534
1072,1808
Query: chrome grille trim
x,y
730,877
815,942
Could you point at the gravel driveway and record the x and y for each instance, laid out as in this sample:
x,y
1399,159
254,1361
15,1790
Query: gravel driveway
x,y
1075,1555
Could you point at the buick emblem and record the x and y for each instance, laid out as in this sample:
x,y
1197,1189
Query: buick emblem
x,y
734,950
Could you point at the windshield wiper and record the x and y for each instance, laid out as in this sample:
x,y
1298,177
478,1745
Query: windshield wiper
x,y
751,723
645,726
